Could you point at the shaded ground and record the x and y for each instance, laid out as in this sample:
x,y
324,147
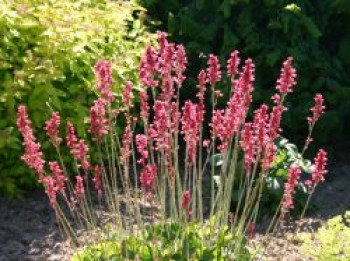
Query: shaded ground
x,y
29,231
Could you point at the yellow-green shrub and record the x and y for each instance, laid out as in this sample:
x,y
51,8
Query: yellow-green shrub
x,y
331,242
47,53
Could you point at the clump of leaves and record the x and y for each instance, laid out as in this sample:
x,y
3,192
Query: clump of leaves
x,y
47,54
167,242
331,242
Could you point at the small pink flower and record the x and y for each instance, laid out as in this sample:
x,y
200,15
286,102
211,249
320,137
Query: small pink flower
x,y
248,146
186,200
147,178
98,121
260,126
275,118
214,72
286,82
80,153
103,71
232,64
50,190
32,155
190,128
141,144
126,142
97,181
180,63
51,128
79,187
71,136
202,80
159,129
144,107
206,143
127,94
317,110
58,176
319,169
289,187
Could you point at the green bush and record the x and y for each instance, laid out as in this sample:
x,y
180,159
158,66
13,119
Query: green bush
x,y
47,54
166,242
315,33
331,242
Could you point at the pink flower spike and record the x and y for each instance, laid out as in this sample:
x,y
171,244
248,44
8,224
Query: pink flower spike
x,y
80,153
98,121
141,144
51,128
103,70
190,128
320,164
147,178
317,110
286,82
127,94
232,64
186,200
180,64
50,190
97,181
289,187
79,187
214,72
32,155
71,136
144,107
58,176
248,146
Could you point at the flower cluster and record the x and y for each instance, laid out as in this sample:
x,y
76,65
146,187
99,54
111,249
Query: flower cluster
x,y
98,120
32,155
79,187
226,123
51,128
232,64
141,144
289,187
147,178
103,71
287,78
50,190
214,72
58,176
190,128
80,153
319,169
317,110
127,94
186,200
97,181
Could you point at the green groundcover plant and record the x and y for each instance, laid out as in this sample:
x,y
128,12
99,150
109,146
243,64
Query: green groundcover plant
x,y
165,161
47,49
331,242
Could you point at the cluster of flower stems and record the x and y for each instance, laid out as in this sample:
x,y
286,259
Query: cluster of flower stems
x,y
131,169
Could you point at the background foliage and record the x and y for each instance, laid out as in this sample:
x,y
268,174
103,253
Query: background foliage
x,y
315,33
47,53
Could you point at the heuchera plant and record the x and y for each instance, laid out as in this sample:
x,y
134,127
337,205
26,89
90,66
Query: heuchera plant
x,y
135,168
